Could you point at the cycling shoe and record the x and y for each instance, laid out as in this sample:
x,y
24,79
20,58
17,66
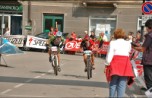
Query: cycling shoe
x,y
59,69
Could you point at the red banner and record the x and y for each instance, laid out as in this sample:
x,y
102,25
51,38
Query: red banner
x,y
104,48
73,45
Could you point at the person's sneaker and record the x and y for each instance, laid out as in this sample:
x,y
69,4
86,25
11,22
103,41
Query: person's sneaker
x,y
85,70
50,59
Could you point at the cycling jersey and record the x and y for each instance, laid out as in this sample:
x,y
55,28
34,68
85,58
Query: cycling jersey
x,y
55,41
87,44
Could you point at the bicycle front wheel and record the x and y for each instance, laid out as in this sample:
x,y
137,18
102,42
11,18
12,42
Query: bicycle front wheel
x,y
89,69
55,67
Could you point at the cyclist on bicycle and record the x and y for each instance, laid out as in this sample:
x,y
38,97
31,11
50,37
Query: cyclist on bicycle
x,y
88,43
57,41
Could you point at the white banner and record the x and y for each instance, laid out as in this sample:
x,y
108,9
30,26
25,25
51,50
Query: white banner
x,y
145,18
36,42
17,40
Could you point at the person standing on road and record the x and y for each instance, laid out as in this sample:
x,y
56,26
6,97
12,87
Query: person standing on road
x,y
118,62
146,48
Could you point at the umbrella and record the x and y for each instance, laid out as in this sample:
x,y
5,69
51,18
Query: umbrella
x,y
8,48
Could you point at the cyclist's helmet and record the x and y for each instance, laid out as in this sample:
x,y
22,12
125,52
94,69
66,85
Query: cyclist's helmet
x,y
59,34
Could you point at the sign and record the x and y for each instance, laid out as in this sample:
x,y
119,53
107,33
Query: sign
x,y
147,8
145,18
36,42
11,7
100,28
72,45
28,27
17,40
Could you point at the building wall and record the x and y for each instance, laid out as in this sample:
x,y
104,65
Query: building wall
x,y
76,18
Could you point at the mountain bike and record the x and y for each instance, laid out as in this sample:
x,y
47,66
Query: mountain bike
x,y
54,51
88,63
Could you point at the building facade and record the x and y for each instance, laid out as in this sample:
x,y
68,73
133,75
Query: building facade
x,y
81,15
11,17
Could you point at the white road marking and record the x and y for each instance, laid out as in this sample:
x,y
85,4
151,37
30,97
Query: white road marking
x,y
21,84
6,91
50,70
37,77
42,74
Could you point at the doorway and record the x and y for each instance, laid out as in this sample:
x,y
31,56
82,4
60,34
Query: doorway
x,y
16,25
53,20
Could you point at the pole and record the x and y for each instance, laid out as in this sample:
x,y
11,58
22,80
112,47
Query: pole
x,y
142,28
2,26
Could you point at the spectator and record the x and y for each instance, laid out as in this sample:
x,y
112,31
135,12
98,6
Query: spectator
x,y
92,35
130,36
102,38
86,36
73,36
55,31
146,48
7,32
119,64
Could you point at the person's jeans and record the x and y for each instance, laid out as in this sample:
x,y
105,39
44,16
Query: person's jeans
x,y
117,84
148,75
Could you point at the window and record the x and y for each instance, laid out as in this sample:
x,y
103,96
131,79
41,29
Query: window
x,y
6,22
102,24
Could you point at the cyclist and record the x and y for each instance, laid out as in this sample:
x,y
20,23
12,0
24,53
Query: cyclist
x,y
57,41
88,43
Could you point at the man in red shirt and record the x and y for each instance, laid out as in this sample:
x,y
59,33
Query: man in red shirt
x,y
55,31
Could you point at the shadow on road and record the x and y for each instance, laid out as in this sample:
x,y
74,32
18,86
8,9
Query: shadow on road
x,y
41,72
2,65
54,82
75,76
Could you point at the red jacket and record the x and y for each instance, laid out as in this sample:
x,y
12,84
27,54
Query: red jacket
x,y
121,66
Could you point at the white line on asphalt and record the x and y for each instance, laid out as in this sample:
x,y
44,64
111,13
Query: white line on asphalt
x,y
6,91
42,74
50,70
37,77
21,84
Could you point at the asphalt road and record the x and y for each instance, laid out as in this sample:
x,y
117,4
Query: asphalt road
x,y
31,75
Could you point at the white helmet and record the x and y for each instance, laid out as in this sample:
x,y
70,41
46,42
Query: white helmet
x,y
59,33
